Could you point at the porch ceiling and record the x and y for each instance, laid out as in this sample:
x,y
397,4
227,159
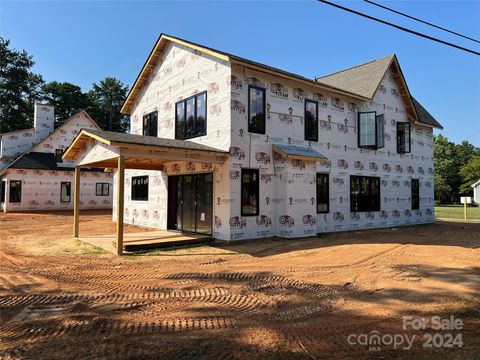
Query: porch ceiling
x,y
140,152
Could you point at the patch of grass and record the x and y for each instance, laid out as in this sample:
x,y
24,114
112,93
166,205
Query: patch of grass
x,y
87,249
456,212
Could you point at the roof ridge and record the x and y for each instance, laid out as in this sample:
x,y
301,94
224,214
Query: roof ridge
x,y
355,66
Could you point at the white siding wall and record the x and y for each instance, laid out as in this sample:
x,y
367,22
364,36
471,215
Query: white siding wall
x,y
181,73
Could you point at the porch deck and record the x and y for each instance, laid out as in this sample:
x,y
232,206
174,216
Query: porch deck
x,y
146,240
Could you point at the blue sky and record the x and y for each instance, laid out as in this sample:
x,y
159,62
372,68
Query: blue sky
x,y
83,42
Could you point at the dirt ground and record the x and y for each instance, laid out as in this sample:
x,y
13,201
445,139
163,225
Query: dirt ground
x,y
268,299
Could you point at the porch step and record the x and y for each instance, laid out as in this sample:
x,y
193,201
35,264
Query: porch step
x,y
164,242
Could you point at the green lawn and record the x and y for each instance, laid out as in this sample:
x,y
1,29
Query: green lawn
x,y
456,212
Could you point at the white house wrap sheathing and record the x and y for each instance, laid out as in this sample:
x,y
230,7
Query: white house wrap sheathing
x,y
41,188
287,187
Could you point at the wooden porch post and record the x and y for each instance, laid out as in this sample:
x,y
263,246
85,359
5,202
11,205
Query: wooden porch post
x,y
76,202
120,198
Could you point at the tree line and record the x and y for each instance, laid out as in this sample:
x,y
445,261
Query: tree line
x,y
20,88
457,167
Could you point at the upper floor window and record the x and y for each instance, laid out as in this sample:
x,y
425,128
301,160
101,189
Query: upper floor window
x,y
65,189
58,155
415,194
15,191
256,110
403,137
364,193
323,197
140,187
250,192
311,120
150,124
371,130
191,117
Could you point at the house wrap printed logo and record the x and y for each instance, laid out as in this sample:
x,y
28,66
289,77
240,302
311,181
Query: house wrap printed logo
x,y
279,90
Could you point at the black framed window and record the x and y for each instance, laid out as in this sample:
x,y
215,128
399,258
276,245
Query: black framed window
x,y
140,188
150,124
323,196
311,120
191,117
65,188
3,188
403,137
415,194
256,110
371,130
364,193
58,155
250,192
102,189
15,191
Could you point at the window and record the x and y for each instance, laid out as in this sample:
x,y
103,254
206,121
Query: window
x,y
191,117
323,200
256,110
58,155
65,188
415,194
403,137
102,189
371,130
250,191
15,191
150,124
311,120
3,188
364,193
140,188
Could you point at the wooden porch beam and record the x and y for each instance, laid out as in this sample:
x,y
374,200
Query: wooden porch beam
x,y
76,203
120,199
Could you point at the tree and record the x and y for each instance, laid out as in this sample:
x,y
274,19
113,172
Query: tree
x,y
446,169
470,173
19,88
107,98
67,98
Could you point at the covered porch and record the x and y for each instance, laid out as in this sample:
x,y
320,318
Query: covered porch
x,y
117,152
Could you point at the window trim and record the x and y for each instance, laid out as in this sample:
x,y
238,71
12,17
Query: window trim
x,y
411,194
376,146
185,115
56,155
102,194
328,192
257,210
148,188
370,190
263,90
150,125
10,191
305,120
69,191
409,138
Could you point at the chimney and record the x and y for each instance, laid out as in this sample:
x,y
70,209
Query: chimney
x,y
43,121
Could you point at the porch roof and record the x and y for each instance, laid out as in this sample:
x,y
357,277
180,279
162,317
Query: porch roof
x,y
298,152
140,152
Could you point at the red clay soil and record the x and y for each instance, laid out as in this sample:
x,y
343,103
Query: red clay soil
x,y
267,299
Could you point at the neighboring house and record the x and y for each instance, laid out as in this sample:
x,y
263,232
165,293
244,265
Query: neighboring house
x,y
244,150
33,175
476,192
